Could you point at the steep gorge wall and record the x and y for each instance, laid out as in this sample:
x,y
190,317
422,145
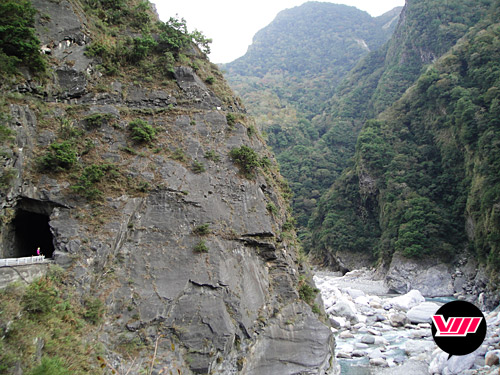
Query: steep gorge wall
x,y
421,199
222,301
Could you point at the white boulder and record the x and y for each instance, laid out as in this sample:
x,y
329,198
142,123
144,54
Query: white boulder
x,y
438,362
408,300
354,293
346,335
398,319
362,300
380,362
416,347
344,309
375,354
459,364
422,313
361,318
379,340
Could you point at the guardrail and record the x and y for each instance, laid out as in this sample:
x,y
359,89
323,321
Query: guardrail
x,y
9,262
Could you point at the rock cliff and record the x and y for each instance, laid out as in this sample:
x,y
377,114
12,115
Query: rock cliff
x,y
129,183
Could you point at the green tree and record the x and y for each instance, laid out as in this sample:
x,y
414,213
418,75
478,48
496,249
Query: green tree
x,y
19,44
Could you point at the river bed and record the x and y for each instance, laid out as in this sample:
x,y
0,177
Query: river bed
x,y
378,333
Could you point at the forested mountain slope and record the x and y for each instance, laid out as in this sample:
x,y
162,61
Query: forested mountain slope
x,y
425,183
378,80
290,71
427,29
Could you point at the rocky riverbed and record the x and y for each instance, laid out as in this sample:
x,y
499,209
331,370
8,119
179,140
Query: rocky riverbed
x,y
383,334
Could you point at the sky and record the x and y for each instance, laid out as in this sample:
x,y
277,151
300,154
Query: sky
x,y
231,24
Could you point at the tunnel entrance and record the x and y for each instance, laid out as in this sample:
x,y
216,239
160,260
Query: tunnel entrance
x,y
31,231
28,230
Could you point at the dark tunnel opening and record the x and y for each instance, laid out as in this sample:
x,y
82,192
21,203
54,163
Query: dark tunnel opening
x,y
32,231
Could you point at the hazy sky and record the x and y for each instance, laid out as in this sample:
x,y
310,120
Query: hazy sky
x,y
232,23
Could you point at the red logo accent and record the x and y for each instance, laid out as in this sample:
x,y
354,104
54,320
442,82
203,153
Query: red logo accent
x,y
455,327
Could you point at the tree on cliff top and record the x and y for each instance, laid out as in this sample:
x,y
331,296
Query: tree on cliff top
x,y
18,43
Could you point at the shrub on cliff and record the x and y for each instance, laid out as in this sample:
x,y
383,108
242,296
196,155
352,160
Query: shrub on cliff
x,y
141,131
201,247
247,159
202,230
92,175
307,293
96,120
156,50
59,156
41,296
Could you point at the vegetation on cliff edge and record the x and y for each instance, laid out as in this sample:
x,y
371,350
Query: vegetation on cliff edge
x,y
46,329
19,45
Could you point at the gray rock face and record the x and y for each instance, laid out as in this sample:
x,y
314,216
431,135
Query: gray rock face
x,y
73,84
233,308
23,274
282,351
344,261
139,97
63,36
432,280
195,89
59,21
